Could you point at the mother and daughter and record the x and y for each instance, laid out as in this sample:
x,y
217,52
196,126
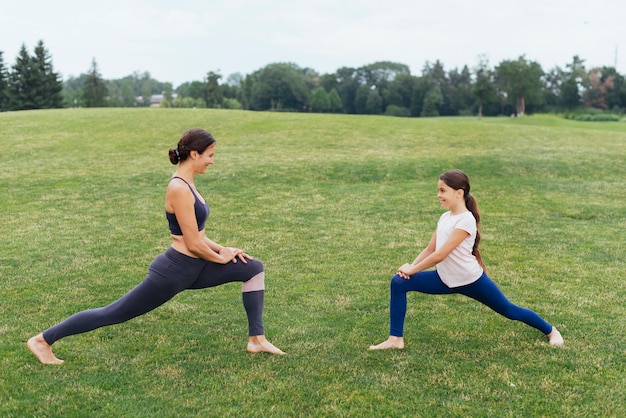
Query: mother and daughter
x,y
194,261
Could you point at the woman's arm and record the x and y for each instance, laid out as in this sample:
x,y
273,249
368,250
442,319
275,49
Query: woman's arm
x,y
181,201
213,245
236,251
436,256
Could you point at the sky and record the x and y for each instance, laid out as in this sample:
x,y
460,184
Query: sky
x,y
182,40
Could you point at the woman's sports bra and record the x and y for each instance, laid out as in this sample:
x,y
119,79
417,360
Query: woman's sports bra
x,y
202,213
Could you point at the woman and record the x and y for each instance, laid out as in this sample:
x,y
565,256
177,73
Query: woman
x,y
453,248
192,262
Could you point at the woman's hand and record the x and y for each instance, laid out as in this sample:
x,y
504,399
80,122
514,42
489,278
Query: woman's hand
x,y
405,271
232,254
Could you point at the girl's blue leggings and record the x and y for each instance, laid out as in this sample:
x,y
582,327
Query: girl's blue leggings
x,y
483,290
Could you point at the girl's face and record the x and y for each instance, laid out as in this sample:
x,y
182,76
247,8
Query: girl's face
x,y
448,197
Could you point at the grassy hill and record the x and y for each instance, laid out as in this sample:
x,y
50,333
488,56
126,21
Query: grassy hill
x,y
332,204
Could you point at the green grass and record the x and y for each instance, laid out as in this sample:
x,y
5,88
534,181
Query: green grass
x,y
332,205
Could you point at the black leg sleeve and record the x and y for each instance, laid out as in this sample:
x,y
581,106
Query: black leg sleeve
x,y
253,304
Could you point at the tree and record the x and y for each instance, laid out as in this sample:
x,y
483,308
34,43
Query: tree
x,y
48,89
213,96
168,92
335,101
434,94
553,81
616,96
575,82
320,101
432,101
277,87
381,73
244,95
194,90
401,90
380,76
483,88
127,93
360,99
521,81
374,103
347,85
73,91
21,79
32,83
569,97
4,84
311,78
599,84
459,92
146,92
95,91
232,87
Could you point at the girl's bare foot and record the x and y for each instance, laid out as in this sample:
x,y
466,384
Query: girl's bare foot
x,y
396,343
42,350
555,338
259,344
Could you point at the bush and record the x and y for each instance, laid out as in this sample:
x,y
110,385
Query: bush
x,y
592,115
231,104
393,110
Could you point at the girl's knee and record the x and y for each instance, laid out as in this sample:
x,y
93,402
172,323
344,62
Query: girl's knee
x,y
397,283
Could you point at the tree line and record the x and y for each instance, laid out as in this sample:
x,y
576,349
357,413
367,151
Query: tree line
x,y
512,87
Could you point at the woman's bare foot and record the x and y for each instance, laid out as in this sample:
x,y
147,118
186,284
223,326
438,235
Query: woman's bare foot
x,y
555,338
259,344
42,350
396,343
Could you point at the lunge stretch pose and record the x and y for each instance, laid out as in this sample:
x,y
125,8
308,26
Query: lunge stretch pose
x,y
193,261
453,249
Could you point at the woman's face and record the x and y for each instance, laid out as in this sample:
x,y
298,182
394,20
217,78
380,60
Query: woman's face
x,y
204,160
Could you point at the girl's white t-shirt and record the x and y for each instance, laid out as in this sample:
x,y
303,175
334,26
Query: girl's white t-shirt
x,y
460,267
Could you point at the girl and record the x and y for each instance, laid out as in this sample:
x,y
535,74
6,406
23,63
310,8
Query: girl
x,y
193,261
453,248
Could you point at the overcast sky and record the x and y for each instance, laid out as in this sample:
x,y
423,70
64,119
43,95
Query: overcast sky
x,y
182,40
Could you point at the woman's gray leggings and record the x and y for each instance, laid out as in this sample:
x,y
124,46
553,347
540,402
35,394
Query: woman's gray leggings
x,y
169,274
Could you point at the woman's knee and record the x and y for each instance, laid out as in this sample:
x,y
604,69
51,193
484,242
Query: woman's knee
x,y
256,266
257,282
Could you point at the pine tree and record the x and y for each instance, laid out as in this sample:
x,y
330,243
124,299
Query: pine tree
x,y
32,83
21,81
95,91
49,84
4,84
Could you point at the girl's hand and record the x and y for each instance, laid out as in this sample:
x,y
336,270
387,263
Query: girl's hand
x,y
405,271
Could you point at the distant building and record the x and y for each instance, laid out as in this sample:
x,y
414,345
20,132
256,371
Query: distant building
x,y
155,99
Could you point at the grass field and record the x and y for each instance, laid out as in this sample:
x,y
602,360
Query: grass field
x,y
332,204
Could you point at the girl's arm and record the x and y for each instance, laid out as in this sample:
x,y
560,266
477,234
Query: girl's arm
x,y
436,256
430,248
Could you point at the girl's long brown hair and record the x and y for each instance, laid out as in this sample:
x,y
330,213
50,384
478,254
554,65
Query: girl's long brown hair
x,y
458,180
